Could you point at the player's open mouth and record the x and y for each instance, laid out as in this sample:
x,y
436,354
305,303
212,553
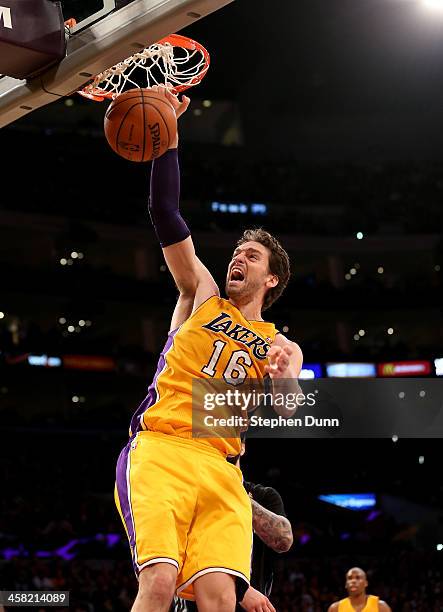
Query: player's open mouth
x,y
237,275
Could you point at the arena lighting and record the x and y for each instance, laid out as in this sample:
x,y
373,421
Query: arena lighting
x,y
359,235
438,365
255,208
67,551
350,501
310,371
421,459
404,368
439,547
44,361
434,4
2,315
350,370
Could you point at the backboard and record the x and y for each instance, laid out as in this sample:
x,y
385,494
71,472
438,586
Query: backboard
x,y
107,32
87,12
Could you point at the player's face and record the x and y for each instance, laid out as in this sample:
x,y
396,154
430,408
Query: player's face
x,y
248,272
356,582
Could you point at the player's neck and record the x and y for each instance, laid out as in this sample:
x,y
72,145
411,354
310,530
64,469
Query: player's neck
x,y
250,310
358,600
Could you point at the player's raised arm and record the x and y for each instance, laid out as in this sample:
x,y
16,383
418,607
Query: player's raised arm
x,y
192,278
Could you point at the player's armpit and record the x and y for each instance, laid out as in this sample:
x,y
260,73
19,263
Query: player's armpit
x,y
182,311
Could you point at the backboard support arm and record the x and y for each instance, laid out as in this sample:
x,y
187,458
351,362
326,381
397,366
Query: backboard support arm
x,y
98,47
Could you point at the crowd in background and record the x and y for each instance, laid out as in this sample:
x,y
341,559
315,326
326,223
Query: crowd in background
x,y
410,582
307,198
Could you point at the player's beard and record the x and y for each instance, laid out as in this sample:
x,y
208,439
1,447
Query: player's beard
x,y
244,292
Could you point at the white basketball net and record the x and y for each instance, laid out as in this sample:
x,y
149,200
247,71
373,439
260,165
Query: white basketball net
x,y
160,64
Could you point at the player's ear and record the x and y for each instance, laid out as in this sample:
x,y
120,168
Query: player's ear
x,y
272,281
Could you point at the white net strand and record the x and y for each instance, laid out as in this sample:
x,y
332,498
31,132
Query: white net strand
x,y
161,64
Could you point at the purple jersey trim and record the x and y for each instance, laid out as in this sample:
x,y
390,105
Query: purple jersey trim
x,y
152,396
122,476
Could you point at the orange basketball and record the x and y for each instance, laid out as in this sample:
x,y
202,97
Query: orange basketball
x,y
140,124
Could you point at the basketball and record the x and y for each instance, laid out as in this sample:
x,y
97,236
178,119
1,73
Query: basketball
x,y
140,125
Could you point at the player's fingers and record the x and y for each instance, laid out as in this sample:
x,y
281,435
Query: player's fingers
x,y
182,107
269,372
273,353
270,607
288,350
184,103
273,350
283,362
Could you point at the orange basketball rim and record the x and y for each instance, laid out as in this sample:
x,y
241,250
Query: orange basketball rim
x,y
176,60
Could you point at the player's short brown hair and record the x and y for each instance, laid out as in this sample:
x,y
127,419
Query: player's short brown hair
x,y
278,261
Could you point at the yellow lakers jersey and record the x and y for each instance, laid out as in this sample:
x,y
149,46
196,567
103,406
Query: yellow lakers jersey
x,y
371,605
216,342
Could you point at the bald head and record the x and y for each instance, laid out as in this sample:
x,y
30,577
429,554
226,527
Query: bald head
x,y
356,581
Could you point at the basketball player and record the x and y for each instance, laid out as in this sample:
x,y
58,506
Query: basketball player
x,y
272,534
183,505
356,585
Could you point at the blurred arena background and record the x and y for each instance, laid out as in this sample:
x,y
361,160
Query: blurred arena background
x,y
320,121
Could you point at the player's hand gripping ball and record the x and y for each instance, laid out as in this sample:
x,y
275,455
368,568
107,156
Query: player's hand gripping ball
x,y
141,124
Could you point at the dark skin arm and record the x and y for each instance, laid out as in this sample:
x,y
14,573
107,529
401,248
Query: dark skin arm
x,y
274,530
383,607
333,607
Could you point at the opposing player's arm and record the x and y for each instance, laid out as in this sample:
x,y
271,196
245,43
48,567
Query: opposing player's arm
x,y
254,601
273,529
333,607
383,606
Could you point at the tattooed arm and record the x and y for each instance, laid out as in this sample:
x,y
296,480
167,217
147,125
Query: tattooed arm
x,y
273,529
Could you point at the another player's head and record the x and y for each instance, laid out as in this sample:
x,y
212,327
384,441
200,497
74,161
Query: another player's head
x,y
356,582
259,267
